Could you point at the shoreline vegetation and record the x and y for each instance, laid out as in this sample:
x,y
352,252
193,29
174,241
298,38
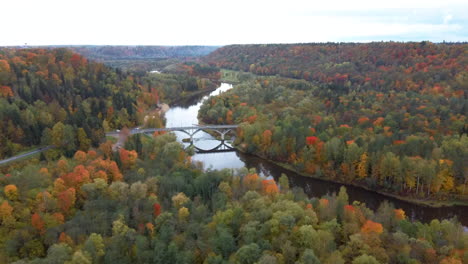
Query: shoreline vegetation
x,y
428,203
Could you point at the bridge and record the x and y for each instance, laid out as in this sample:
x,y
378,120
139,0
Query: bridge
x,y
222,130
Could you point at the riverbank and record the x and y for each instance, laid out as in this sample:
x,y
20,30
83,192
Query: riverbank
x,y
187,98
427,203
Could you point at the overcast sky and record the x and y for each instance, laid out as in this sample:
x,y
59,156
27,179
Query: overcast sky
x,y
221,22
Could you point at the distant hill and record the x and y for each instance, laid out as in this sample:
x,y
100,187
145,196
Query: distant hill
x,y
143,52
142,58
379,65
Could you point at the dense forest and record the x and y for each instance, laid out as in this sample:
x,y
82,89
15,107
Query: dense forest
x,y
421,67
87,201
148,203
387,116
58,97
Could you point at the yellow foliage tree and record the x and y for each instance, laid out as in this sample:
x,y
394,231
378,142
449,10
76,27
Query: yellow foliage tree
x,y
179,199
362,166
11,192
183,214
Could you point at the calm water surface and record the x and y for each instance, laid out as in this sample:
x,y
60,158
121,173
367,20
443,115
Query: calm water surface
x,y
186,115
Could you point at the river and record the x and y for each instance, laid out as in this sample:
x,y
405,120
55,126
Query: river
x,y
186,115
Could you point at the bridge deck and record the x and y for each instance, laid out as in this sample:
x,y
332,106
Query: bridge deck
x,y
152,130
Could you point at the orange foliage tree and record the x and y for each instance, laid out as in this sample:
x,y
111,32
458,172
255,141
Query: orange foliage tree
x,y
5,91
5,210
269,186
80,156
251,181
399,214
371,227
128,158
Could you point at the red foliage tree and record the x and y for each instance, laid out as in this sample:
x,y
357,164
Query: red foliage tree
x,y
312,140
38,223
66,199
156,209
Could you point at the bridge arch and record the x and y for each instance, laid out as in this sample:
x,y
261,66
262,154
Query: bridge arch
x,y
221,147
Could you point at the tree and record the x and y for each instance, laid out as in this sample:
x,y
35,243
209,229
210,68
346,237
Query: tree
x,y
84,142
390,167
362,167
156,209
372,227
6,212
365,259
266,138
223,242
308,257
269,187
80,257
128,158
66,199
183,214
80,156
58,254
38,223
106,149
179,199
400,214
251,181
284,182
11,192
248,254
95,246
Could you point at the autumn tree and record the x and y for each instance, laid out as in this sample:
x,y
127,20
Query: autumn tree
x,y
11,192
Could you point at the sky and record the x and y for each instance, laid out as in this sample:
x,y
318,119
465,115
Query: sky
x,y
222,22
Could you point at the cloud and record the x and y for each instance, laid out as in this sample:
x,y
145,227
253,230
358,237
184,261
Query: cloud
x,y
214,22
447,19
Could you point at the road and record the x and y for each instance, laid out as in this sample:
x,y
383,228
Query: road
x,y
32,152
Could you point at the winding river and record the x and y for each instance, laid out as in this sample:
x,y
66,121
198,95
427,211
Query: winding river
x,y
186,115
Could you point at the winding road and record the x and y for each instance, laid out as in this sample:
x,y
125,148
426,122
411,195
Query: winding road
x,y
32,152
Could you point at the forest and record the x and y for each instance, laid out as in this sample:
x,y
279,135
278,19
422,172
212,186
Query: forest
x,y
58,97
147,202
386,116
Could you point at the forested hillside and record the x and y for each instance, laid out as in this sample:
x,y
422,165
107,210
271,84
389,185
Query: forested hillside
x,y
58,97
382,66
149,204
387,116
